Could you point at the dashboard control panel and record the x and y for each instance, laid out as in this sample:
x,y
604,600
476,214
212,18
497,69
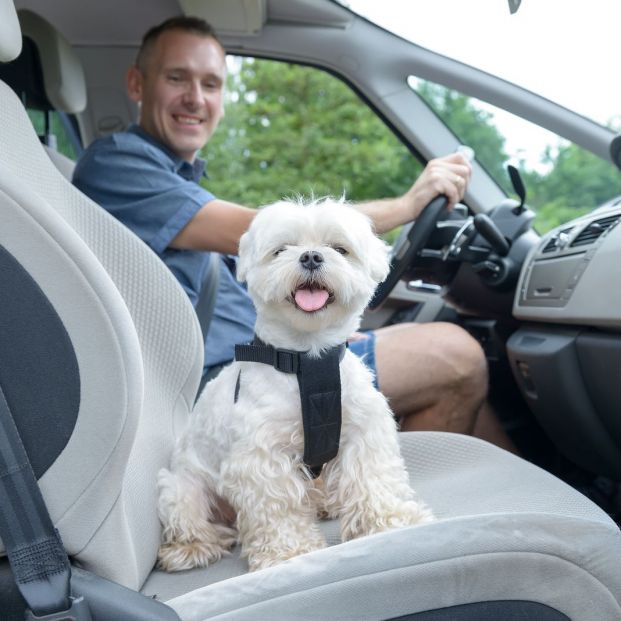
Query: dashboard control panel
x,y
574,274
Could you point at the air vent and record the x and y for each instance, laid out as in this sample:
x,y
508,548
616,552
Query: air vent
x,y
558,240
594,230
551,245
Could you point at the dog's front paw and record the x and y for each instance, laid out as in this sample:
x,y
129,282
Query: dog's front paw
x,y
409,513
275,557
177,554
269,558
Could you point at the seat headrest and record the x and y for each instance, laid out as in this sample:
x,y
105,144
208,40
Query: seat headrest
x,y
63,75
10,34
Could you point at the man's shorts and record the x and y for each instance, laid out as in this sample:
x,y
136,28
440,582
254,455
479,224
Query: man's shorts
x,y
364,348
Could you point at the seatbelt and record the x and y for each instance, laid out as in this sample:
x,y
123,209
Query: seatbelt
x,y
206,303
207,295
319,381
35,551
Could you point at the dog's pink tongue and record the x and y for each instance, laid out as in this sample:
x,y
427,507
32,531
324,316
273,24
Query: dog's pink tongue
x,y
311,299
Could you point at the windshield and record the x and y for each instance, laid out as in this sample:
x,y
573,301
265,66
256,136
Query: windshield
x,y
565,51
548,47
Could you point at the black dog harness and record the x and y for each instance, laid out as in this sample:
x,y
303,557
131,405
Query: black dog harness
x,y
319,380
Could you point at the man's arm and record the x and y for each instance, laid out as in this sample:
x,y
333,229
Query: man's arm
x,y
219,224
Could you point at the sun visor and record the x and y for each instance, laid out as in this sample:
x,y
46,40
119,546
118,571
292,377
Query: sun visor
x,y
229,17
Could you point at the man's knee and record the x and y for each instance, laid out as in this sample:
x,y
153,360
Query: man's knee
x,y
465,357
423,364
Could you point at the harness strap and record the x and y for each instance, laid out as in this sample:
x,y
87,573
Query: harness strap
x,y
35,551
319,381
285,360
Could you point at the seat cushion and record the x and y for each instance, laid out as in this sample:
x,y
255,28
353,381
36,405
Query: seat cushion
x,y
506,530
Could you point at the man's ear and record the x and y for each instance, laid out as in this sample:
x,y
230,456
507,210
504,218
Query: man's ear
x,y
134,84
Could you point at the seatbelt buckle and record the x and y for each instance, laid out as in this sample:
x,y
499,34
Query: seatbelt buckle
x,y
286,360
79,611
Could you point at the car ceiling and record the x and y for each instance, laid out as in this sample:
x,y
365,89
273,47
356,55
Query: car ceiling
x,y
123,22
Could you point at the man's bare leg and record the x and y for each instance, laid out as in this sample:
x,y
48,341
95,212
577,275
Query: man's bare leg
x,y
488,427
435,377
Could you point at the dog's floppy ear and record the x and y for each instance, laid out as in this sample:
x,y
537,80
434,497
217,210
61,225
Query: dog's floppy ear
x,y
245,260
378,257
250,248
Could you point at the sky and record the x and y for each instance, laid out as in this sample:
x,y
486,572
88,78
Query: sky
x,y
565,50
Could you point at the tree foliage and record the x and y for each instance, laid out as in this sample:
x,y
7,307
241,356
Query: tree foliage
x,y
293,130
574,182
472,126
63,142
578,182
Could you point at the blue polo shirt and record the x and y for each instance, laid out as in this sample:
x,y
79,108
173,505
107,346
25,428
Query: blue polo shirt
x,y
155,193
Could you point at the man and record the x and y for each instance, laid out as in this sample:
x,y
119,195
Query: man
x,y
434,375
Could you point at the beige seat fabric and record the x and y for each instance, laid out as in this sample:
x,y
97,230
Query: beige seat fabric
x,y
64,164
138,345
507,530
165,351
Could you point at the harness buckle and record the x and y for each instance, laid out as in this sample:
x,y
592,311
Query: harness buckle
x,y
286,360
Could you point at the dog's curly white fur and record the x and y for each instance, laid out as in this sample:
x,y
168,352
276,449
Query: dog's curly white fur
x,y
249,453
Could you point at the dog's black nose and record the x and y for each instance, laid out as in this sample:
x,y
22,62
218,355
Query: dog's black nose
x,y
311,260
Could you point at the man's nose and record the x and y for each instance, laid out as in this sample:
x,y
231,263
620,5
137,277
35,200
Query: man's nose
x,y
311,260
193,93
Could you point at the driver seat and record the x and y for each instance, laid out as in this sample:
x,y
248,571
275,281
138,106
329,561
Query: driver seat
x,y
100,359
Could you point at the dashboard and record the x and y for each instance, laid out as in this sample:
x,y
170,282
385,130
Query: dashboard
x,y
574,274
566,355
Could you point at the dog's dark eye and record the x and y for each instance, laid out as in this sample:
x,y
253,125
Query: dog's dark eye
x,y
279,250
340,250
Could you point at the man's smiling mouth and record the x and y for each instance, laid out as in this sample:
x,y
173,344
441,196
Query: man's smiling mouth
x,y
187,120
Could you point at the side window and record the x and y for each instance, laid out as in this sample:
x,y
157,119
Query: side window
x,y
59,129
563,181
295,130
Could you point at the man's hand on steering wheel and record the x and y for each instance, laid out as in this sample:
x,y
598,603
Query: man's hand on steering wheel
x,y
447,176
441,185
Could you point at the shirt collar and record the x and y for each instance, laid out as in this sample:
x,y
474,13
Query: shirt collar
x,y
191,172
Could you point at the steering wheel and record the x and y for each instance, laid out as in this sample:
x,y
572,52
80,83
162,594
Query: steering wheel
x,y
410,242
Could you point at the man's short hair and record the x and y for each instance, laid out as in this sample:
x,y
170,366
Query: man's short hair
x,y
192,25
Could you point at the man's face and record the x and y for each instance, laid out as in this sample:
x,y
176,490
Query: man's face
x,y
180,91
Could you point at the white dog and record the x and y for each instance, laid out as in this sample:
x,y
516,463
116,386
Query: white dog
x,y
311,270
